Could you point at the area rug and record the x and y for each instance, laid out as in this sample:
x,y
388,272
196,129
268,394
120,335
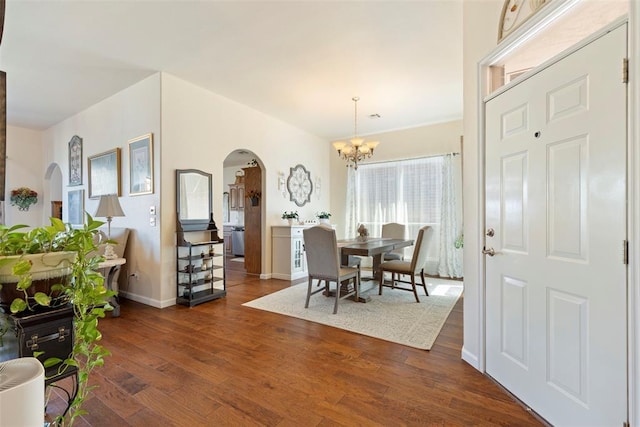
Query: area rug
x,y
394,316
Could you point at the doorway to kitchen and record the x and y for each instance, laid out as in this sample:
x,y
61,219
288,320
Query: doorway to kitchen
x,y
242,212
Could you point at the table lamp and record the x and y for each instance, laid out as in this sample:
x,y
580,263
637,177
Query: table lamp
x,y
108,207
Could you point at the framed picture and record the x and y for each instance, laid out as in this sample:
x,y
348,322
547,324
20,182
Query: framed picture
x,y
104,174
141,165
75,161
75,207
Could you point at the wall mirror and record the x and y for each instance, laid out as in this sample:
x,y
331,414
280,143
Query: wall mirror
x,y
194,199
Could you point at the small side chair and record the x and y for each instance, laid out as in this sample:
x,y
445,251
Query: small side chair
x,y
323,263
393,230
397,268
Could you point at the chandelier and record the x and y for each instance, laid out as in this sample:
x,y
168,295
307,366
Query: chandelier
x,y
357,150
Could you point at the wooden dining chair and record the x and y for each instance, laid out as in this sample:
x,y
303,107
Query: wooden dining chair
x,y
393,230
323,264
398,268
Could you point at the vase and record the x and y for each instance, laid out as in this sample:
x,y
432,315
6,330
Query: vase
x,y
290,221
324,220
47,269
254,201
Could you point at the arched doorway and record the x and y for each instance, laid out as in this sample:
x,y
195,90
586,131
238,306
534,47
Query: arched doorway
x,y
53,206
242,211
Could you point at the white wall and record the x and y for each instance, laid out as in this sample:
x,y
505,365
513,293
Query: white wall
x,y
480,34
25,168
107,125
200,129
402,144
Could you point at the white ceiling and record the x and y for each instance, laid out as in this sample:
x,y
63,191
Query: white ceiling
x,y
299,61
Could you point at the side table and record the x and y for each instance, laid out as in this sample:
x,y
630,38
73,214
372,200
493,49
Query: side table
x,y
112,267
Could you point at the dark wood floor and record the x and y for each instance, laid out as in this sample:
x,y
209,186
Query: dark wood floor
x,y
222,364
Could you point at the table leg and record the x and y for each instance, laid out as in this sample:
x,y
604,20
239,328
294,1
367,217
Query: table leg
x,y
113,300
377,273
345,288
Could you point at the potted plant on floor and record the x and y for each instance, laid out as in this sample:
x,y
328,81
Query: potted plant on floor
x,y
82,287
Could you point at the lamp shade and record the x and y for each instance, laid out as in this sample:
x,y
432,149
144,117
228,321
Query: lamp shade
x,y
109,207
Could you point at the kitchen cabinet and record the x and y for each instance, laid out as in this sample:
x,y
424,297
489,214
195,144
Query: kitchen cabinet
x,y
236,196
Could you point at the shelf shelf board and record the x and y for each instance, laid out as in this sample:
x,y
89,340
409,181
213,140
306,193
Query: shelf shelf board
x,y
201,297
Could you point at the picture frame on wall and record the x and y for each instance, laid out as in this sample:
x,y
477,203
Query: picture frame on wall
x,y
75,161
75,207
104,174
141,165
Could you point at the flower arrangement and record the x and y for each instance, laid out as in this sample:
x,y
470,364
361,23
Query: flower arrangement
x,y
323,215
253,194
23,197
290,215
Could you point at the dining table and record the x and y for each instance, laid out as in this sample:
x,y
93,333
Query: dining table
x,y
374,247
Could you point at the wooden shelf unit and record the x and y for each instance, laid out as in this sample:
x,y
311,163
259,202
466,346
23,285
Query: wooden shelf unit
x,y
200,270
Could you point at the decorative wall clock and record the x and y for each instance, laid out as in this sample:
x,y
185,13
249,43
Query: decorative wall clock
x,y
515,13
299,185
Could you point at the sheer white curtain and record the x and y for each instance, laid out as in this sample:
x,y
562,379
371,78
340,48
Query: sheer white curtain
x,y
351,220
406,191
450,263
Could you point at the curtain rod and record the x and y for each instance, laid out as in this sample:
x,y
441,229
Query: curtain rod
x,y
453,153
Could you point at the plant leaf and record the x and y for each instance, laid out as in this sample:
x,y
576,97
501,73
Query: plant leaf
x,y
42,299
18,305
52,361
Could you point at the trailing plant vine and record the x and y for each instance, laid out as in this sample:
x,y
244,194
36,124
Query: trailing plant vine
x,y
84,290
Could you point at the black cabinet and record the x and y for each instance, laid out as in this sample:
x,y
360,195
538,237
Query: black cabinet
x,y
48,334
200,269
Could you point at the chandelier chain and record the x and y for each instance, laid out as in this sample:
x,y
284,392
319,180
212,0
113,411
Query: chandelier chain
x,y
355,121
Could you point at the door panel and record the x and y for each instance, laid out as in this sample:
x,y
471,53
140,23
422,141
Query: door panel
x,y
555,196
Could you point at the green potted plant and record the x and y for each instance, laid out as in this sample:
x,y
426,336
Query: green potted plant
x,y
290,216
323,217
82,288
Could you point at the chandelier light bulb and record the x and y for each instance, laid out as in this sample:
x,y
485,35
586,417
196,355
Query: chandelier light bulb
x,y
358,149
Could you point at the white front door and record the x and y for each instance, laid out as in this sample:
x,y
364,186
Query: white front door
x,y
556,288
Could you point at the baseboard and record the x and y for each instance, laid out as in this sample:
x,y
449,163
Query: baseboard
x,y
471,359
267,276
147,301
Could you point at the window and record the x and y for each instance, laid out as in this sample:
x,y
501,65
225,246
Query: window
x,y
406,191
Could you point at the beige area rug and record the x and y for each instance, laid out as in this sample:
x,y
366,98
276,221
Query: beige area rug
x,y
394,316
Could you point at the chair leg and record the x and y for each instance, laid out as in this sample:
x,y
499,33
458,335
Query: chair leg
x,y
413,285
306,304
381,282
335,306
424,284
